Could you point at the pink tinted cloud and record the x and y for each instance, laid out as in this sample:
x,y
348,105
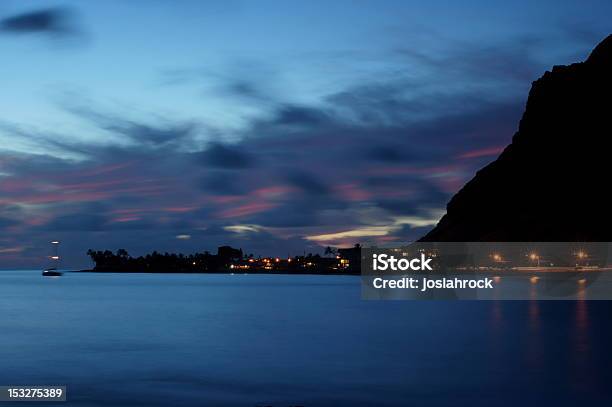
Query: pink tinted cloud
x,y
104,169
80,186
76,186
352,192
224,199
37,221
14,184
412,170
80,194
9,250
384,239
394,193
483,152
45,198
126,218
129,210
180,209
450,184
274,190
246,209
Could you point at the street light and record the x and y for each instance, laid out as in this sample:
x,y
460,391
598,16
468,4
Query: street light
x,y
534,257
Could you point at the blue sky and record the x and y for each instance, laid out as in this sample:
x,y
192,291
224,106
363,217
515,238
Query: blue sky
x,y
274,126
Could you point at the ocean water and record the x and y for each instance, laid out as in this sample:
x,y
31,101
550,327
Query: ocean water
x,y
256,340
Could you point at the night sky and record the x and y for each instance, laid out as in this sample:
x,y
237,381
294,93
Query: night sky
x,y
279,127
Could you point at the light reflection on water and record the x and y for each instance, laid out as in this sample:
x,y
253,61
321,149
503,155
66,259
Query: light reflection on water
x,y
225,340
581,344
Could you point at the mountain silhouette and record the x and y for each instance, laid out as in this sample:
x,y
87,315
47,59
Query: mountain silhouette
x,y
552,183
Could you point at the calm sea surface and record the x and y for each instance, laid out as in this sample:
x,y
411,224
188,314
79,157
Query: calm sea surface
x,y
249,340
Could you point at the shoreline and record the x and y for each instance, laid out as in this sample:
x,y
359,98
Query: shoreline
x,y
215,272
516,271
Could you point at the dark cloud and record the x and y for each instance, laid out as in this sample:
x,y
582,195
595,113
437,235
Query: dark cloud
x,y
246,89
292,214
6,222
407,234
381,103
389,154
299,115
420,205
161,133
307,182
221,183
53,21
218,155
84,222
148,134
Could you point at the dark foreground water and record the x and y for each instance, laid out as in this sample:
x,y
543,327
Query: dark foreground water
x,y
248,340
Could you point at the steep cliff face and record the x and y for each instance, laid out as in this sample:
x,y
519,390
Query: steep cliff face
x,y
552,183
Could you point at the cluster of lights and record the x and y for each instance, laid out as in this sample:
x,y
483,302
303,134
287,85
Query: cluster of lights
x,y
496,257
268,263
534,256
240,266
